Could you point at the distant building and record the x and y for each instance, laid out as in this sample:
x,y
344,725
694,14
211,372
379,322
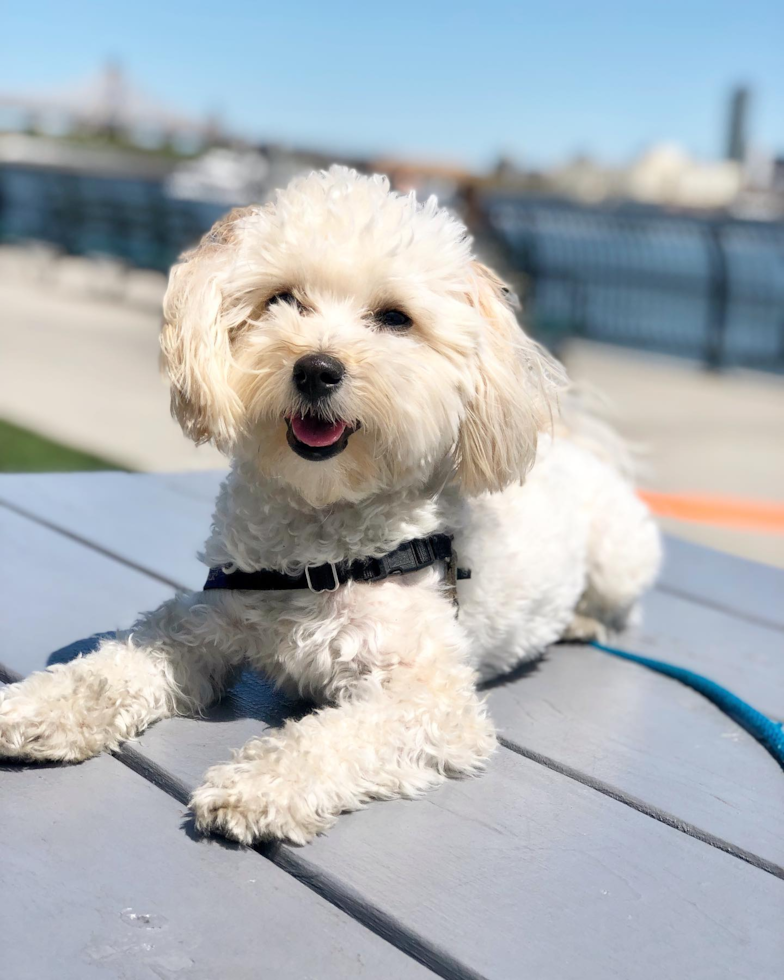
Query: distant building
x,y
737,124
584,179
667,175
221,176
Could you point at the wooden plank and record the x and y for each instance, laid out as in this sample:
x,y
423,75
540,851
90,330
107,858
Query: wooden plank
x,y
202,484
649,738
745,588
56,590
525,872
156,523
103,879
742,655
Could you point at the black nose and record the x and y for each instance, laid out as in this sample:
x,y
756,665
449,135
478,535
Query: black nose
x,y
317,375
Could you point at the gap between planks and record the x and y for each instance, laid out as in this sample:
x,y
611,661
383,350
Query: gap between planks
x,y
598,785
87,543
646,808
698,600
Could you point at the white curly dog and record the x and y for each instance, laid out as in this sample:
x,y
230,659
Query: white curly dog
x,y
371,385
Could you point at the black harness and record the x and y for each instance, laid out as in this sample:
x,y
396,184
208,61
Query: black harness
x,y
411,556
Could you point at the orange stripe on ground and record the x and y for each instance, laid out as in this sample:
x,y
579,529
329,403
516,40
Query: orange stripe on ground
x,y
733,512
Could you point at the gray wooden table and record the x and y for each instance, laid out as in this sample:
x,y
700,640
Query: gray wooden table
x,y
625,829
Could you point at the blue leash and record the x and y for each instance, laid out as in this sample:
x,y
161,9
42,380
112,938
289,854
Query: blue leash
x,y
767,732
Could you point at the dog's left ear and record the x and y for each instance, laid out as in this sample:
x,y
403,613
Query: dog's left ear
x,y
515,393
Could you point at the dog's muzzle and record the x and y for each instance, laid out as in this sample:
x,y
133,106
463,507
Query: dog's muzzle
x,y
315,434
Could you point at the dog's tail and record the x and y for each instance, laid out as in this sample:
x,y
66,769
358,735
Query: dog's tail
x,y
624,542
583,420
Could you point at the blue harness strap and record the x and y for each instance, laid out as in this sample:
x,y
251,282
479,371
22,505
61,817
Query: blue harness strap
x,y
767,732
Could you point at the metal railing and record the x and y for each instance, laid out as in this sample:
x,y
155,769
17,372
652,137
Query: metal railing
x,y
706,288
128,218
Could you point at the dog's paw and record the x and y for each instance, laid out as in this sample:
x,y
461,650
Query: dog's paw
x,y
583,629
51,717
34,730
241,801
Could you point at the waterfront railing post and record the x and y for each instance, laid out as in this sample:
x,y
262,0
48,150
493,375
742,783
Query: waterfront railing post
x,y
717,298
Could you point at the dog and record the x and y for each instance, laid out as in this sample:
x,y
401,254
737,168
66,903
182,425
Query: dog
x,y
371,384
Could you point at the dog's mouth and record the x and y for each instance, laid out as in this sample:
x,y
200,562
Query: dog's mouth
x,y
315,438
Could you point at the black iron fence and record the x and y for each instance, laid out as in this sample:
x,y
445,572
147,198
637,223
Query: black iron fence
x,y
129,218
710,289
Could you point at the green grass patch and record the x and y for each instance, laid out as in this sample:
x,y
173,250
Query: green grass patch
x,y
22,451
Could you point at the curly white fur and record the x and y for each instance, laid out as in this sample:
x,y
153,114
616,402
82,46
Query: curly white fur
x,y
449,418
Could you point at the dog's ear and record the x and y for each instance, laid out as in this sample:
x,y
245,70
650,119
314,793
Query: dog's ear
x,y
515,393
196,337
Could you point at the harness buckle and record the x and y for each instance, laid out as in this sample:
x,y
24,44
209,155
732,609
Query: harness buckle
x,y
424,552
335,580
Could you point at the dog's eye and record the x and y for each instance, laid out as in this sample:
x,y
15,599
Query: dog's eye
x,y
393,319
288,298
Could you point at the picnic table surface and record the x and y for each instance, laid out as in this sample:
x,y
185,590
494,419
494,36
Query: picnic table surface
x,y
625,827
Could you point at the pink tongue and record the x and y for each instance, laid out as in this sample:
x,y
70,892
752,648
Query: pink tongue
x,y
315,432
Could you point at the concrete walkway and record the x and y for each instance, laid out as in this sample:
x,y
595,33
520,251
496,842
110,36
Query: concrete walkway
x,y
82,368
79,364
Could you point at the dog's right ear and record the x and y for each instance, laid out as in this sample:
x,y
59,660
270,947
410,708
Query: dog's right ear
x,y
516,393
196,339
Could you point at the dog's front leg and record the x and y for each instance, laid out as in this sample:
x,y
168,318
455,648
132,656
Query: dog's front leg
x,y
394,736
172,662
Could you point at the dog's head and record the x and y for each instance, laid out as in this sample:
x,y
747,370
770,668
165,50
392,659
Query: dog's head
x,y
344,338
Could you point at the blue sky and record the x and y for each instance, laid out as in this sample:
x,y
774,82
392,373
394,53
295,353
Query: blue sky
x,y
431,79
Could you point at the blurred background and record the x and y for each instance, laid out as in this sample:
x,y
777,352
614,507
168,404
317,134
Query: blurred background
x,y
621,165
